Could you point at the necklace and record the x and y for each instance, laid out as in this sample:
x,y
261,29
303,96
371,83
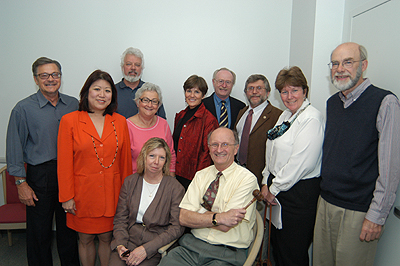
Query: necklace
x,y
116,150
150,185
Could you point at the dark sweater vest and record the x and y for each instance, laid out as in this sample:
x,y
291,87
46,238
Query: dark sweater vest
x,y
350,152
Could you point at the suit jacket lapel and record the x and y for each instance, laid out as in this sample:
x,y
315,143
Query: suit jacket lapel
x,y
91,130
241,112
264,117
108,129
151,210
88,126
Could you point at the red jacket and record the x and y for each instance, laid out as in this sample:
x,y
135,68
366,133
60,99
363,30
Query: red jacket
x,y
192,153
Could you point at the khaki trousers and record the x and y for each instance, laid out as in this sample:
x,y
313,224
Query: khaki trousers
x,y
337,238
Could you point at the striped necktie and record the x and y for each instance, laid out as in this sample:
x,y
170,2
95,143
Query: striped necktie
x,y
223,118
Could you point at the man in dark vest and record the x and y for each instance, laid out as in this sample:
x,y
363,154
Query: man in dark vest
x,y
360,163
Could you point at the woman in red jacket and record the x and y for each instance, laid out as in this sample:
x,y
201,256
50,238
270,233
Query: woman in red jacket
x,y
191,129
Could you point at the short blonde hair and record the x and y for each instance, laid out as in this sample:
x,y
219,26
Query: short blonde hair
x,y
150,145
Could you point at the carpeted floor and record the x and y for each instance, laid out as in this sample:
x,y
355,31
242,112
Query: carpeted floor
x,y
16,254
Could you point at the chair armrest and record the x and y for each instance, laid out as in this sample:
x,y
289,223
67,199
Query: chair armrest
x,y
163,250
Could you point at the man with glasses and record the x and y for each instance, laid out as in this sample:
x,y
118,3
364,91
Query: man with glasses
x,y
253,123
213,207
32,139
224,107
132,65
360,163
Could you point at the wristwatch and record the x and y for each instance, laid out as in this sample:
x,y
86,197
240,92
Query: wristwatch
x,y
19,181
214,221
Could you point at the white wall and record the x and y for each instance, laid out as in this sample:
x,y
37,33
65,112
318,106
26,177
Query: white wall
x,y
178,38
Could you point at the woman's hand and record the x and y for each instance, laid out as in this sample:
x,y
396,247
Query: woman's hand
x,y
121,249
69,206
269,198
136,256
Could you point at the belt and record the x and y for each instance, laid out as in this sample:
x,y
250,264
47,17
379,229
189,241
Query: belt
x,y
229,247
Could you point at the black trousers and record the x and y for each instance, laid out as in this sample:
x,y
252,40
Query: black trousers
x,y
299,206
43,180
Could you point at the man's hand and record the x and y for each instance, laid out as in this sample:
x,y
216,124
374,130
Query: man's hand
x,y
231,218
370,231
26,194
269,198
69,206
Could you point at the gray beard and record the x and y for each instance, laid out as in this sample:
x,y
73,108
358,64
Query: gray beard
x,y
131,78
350,84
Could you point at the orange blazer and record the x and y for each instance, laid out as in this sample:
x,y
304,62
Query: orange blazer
x,y
81,177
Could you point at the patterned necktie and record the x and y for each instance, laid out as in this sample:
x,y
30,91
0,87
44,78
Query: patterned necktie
x,y
211,193
223,118
244,140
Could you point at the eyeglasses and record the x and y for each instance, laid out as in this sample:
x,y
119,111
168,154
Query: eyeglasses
x,y
223,145
257,89
286,93
346,63
221,82
44,76
146,100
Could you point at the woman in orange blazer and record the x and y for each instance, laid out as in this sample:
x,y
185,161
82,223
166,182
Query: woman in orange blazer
x,y
94,159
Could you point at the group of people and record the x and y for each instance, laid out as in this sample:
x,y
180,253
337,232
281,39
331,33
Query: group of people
x,y
109,166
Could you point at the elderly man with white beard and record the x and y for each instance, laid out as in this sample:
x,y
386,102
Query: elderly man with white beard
x,y
360,163
132,65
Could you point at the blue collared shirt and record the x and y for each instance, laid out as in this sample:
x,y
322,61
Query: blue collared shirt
x,y
33,129
218,104
126,100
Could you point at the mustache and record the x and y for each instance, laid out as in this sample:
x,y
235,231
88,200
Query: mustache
x,y
133,72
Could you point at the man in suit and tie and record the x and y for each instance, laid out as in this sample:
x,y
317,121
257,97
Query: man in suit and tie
x,y
224,107
253,123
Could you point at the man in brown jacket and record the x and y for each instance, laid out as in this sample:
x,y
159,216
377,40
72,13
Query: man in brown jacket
x,y
262,118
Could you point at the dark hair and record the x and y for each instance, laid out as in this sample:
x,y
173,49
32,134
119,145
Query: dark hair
x,y
257,77
44,61
196,81
96,75
149,146
291,77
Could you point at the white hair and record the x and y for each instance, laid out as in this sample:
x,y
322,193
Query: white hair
x,y
133,51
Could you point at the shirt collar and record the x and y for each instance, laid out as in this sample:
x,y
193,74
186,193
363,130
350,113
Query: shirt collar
x,y
126,87
43,101
228,171
218,100
353,96
260,107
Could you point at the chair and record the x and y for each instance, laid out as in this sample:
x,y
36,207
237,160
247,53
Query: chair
x,y
13,212
163,250
258,231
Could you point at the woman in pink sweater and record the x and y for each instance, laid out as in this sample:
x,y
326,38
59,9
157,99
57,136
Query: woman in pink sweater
x,y
146,124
